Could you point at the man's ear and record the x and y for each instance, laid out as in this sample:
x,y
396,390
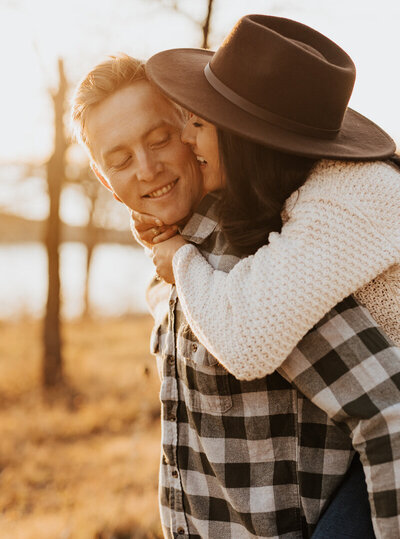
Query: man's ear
x,y
102,180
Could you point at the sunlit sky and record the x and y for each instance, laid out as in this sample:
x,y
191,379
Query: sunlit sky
x,y
34,33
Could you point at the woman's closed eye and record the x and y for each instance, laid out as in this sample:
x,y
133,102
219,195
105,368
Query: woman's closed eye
x,y
196,121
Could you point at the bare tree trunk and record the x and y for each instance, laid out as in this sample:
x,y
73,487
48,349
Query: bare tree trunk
x,y
206,25
52,372
91,240
86,299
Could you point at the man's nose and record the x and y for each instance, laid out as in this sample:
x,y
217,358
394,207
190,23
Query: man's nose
x,y
148,167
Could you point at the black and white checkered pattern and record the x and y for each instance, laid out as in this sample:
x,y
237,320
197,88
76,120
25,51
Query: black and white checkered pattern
x,y
262,458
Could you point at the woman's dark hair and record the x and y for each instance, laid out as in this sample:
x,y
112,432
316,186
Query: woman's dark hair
x,y
395,159
258,181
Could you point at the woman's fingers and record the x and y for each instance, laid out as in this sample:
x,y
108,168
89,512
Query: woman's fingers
x,y
154,234
149,230
145,219
144,228
150,233
166,234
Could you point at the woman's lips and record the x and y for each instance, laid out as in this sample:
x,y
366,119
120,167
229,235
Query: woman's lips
x,y
202,162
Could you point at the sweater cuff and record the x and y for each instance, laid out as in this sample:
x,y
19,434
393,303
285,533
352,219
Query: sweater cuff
x,y
182,257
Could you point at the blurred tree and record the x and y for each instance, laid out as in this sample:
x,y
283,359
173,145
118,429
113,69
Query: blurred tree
x,y
92,190
205,24
52,371
83,178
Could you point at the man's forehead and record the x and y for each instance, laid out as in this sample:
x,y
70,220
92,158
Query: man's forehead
x,y
138,98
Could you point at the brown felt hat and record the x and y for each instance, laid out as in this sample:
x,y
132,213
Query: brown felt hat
x,y
277,82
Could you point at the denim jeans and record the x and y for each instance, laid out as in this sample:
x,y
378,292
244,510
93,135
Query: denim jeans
x,y
348,515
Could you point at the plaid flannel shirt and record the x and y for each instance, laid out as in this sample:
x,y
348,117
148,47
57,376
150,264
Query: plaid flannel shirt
x,y
263,458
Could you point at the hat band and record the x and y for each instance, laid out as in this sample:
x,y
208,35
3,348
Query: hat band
x,y
270,117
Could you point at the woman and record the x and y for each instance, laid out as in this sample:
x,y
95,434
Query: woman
x,y
336,246
334,205
342,225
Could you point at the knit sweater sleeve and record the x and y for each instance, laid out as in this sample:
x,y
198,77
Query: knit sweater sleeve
x,y
333,243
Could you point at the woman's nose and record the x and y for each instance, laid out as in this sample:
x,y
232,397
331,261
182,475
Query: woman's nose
x,y
188,134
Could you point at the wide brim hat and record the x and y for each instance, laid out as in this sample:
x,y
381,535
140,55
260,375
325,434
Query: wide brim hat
x,y
277,82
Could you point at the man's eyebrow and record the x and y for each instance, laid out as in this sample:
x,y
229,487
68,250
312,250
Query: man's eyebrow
x,y
154,127
113,150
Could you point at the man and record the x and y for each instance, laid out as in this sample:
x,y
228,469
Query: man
x,y
240,459
167,178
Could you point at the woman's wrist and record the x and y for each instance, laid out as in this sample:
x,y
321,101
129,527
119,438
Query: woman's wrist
x,y
183,251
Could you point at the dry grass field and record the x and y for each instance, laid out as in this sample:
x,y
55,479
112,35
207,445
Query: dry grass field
x,y
83,462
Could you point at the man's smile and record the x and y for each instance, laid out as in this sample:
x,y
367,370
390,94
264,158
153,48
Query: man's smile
x,y
162,190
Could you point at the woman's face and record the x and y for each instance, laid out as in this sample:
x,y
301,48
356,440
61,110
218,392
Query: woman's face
x,y
202,137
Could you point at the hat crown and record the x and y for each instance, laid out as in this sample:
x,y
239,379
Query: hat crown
x,y
278,83
288,70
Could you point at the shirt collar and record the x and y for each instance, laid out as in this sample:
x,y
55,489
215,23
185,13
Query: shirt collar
x,y
204,220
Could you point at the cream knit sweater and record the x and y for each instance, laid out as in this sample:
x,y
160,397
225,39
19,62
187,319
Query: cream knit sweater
x,y
341,235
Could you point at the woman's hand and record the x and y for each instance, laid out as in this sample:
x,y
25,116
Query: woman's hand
x,y
149,230
163,253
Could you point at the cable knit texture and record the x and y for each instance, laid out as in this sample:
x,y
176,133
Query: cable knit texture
x,y
341,235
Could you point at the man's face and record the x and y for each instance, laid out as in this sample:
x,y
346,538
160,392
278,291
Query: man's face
x,y
135,141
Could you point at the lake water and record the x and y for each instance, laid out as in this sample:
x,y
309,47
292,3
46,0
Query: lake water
x,y
118,279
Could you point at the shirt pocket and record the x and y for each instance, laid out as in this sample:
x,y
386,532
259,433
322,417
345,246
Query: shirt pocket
x,y
204,382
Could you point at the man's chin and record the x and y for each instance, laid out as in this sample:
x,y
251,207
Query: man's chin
x,y
174,218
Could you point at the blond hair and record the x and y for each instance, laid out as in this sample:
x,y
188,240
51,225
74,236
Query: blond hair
x,y
103,80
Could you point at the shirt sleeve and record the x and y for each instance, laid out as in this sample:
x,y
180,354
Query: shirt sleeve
x,y
251,318
348,368
157,297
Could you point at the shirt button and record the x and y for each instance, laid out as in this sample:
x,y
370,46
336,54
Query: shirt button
x,y
175,474
194,347
171,302
172,417
181,531
171,360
